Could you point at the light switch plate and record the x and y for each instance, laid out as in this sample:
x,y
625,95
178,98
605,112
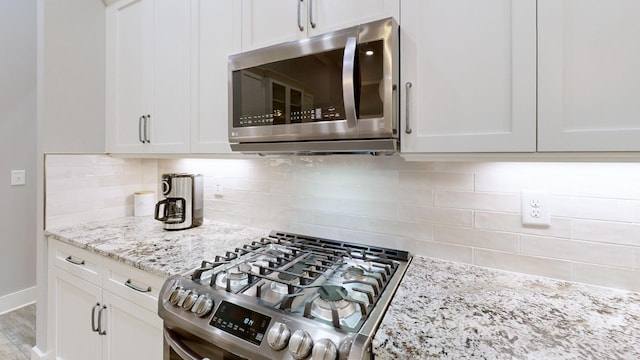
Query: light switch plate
x,y
18,177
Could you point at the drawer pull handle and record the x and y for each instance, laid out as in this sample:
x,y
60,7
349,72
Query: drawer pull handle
x,y
135,287
74,262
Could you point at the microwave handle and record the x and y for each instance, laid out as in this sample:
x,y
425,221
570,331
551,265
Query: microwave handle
x,y
348,86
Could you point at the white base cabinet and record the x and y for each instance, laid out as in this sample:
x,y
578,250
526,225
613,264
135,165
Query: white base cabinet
x,y
94,314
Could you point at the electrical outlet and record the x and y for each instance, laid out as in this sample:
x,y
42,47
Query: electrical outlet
x,y
218,188
535,208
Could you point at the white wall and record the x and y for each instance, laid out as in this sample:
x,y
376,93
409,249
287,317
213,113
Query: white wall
x,y
17,144
73,103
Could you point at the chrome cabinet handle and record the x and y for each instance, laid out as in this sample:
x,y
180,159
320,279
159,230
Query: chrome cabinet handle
x,y
147,138
100,331
74,262
93,318
300,15
141,119
407,129
348,86
313,23
135,287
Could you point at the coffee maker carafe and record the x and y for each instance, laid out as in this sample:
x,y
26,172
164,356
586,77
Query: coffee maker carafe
x,y
182,207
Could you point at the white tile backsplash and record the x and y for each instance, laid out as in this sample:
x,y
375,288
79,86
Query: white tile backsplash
x,y
462,211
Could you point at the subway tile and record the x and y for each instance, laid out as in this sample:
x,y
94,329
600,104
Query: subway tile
x,y
557,269
436,215
513,223
582,251
478,201
352,207
625,279
594,208
373,239
607,232
463,254
247,184
428,180
375,225
636,255
602,180
476,238
418,197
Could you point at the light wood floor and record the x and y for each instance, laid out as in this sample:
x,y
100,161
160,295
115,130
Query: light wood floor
x,y
18,333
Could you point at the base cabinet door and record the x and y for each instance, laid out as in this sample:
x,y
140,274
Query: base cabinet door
x,y
74,302
91,321
133,332
468,78
589,75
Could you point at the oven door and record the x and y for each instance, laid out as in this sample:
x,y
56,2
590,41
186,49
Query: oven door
x,y
180,345
337,86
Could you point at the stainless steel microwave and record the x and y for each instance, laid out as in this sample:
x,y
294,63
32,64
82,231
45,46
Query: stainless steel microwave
x,y
332,93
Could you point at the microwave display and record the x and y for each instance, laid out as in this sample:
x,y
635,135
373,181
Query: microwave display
x,y
308,89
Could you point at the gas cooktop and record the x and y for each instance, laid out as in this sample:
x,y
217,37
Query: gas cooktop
x,y
284,296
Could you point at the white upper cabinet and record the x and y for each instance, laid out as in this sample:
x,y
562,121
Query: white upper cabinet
x,y
210,98
468,76
275,21
588,75
148,69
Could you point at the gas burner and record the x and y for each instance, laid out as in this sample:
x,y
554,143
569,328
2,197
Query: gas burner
x,y
333,303
234,278
354,273
279,287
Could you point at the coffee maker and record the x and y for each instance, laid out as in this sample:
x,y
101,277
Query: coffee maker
x,y
182,207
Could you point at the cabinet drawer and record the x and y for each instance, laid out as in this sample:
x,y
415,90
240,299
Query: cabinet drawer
x,y
79,262
135,285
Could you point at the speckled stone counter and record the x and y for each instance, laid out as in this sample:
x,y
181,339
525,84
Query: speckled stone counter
x,y
454,311
141,242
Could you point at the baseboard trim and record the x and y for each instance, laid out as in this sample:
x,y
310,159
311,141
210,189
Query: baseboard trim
x,y
36,354
18,299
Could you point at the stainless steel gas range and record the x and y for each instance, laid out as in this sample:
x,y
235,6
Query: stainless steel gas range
x,y
286,296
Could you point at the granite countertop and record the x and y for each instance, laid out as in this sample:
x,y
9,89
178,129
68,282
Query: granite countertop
x,y
448,310
141,242
441,310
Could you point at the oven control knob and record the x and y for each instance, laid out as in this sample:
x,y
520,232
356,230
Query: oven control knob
x,y
189,300
278,336
324,349
203,306
300,344
176,295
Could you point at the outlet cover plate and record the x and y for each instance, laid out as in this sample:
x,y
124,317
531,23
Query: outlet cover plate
x,y
535,208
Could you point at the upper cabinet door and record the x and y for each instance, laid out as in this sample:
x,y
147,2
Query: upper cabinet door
x,y
128,75
271,22
276,21
589,75
148,67
210,74
169,125
329,15
468,76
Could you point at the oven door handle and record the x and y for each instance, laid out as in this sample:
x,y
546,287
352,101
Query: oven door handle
x,y
179,347
348,82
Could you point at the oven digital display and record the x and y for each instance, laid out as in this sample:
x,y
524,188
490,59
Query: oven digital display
x,y
243,323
